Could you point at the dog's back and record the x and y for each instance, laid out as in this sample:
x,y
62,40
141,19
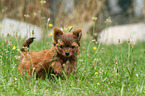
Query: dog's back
x,y
32,61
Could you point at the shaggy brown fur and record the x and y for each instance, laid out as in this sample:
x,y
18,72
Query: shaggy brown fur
x,y
61,57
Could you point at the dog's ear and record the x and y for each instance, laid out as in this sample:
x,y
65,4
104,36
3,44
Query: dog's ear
x,y
78,33
57,33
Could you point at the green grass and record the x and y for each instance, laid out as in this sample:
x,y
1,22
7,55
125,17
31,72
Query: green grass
x,y
121,71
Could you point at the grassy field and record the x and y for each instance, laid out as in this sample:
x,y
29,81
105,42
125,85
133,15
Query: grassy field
x,y
102,70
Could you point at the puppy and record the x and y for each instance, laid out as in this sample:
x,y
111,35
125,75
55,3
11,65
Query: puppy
x,y
62,56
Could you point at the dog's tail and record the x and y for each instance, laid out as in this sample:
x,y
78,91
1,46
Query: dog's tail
x,y
27,43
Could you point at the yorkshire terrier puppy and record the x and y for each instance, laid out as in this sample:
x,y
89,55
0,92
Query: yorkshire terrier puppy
x,y
62,56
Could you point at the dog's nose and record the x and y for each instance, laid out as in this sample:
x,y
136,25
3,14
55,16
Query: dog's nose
x,y
66,53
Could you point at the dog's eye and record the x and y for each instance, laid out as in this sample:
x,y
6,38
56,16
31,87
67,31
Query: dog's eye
x,y
72,46
61,46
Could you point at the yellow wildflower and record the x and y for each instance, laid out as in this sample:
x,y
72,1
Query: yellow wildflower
x,y
33,32
1,26
50,25
94,48
50,33
14,47
69,27
96,73
128,40
119,40
65,29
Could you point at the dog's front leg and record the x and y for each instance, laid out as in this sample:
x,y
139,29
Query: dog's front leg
x,y
57,67
71,67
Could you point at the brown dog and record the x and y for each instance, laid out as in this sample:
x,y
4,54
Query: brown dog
x,y
61,57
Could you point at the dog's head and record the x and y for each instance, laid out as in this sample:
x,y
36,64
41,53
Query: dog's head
x,y
67,44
